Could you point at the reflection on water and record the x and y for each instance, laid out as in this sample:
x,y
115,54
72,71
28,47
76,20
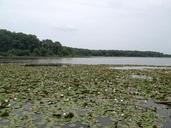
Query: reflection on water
x,y
138,67
141,77
94,60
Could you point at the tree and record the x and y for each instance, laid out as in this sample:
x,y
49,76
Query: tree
x,y
20,44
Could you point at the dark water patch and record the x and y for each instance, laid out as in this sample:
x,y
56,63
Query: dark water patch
x,y
84,111
18,110
160,109
27,106
44,125
37,118
167,123
76,125
104,121
4,122
163,111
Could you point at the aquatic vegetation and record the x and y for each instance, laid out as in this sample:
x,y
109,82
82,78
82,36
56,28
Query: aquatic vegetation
x,y
81,96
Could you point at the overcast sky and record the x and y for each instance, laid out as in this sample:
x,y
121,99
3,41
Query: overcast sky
x,y
93,24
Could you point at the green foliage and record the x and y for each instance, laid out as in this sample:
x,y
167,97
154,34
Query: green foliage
x,y
20,44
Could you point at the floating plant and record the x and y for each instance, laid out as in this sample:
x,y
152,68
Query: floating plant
x,y
81,95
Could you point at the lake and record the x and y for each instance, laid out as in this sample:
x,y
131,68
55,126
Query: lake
x,y
94,60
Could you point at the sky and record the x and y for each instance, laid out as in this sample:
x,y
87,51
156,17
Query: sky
x,y
93,24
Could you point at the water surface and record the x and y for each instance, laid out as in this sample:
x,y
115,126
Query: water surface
x,y
94,60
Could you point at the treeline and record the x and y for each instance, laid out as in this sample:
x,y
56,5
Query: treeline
x,y
118,53
20,44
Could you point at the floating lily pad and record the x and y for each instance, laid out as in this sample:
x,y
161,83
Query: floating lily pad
x,y
83,96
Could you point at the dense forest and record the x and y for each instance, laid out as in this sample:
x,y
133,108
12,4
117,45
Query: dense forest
x,y
20,44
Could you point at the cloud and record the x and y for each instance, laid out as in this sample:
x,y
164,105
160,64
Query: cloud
x,y
66,28
96,24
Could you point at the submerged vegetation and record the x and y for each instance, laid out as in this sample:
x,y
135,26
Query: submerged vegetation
x,y
72,96
20,44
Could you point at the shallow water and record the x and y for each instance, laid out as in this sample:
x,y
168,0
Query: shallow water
x,y
162,110
104,121
45,95
39,119
168,123
76,125
4,122
139,67
141,77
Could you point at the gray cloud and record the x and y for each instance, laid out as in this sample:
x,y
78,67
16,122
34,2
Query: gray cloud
x,y
94,24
